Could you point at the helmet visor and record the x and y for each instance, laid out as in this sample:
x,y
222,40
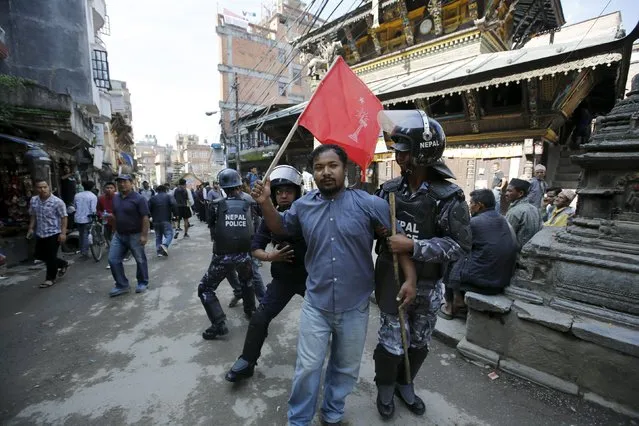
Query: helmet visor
x,y
286,175
393,121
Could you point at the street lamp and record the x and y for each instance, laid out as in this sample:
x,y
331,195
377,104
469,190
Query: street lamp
x,y
208,114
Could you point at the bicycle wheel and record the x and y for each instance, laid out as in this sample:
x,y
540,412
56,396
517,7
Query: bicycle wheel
x,y
96,243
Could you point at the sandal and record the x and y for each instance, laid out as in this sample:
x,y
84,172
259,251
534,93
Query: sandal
x,y
47,284
62,271
443,314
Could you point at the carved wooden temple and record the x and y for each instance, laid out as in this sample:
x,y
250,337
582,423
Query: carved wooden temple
x,y
504,78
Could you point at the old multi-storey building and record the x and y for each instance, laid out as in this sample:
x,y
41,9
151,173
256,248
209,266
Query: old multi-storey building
x,y
195,158
506,79
145,154
259,69
54,102
119,138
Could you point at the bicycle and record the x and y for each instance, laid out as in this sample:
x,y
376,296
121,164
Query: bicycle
x,y
97,240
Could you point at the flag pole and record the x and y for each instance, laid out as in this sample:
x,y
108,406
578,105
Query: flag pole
x,y
280,151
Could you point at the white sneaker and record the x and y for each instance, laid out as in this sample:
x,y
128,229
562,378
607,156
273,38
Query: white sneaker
x,y
165,250
108,266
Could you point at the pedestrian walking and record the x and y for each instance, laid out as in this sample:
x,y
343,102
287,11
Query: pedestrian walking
x,y
162,207
435,219
85,204
287,270
146,191
338,225
252,177
131,212
522,216
232,224
184,200
48,221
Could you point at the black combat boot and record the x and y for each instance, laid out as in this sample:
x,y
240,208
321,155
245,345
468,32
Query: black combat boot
x,y
216,316
242,369
406,392
215,330
385,373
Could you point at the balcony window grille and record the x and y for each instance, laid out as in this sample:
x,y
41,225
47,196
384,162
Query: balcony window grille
x,y
100,65
297,75
106,28
281,88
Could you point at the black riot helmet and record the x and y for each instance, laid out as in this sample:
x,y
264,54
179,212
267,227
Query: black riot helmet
x,y
229,178
413,131
286,176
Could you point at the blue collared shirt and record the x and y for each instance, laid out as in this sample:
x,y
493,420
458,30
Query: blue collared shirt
x,y
129,212
339,234
85,204
48,214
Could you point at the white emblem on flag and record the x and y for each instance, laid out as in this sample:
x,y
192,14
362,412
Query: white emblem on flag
x,y
362,116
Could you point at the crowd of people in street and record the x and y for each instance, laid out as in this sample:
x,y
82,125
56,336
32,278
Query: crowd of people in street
x,y
322,234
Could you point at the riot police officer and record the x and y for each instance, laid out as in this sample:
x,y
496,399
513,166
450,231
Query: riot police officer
x,y
436,222
287,270
231,221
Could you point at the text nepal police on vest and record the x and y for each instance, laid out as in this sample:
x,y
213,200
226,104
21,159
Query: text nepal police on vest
x,y
235,220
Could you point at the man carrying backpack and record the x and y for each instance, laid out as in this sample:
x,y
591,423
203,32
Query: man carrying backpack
x,y
232,224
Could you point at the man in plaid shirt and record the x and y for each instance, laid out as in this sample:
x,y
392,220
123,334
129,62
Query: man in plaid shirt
x,y
49,222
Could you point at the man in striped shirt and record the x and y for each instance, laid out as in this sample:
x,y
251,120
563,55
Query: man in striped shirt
x,y
49,223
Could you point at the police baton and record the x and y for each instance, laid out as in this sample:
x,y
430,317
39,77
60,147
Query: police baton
x,y
400,313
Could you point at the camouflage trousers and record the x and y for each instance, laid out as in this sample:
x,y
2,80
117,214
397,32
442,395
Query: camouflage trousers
x,y
420,319
221,267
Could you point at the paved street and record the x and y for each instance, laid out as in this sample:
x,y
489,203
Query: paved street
x,y
71,355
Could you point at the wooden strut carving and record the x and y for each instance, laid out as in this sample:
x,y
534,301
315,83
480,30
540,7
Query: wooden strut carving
x,y
473,110
408,29
351,43
435,10
373,35
532,103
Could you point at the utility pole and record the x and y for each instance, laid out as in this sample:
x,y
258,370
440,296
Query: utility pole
x,y
236,87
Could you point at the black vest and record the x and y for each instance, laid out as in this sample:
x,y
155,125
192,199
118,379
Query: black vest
x,y
296,268
233,226
418,218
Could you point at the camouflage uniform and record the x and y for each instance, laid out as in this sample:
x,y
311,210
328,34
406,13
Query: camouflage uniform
x,y
452,227
222,266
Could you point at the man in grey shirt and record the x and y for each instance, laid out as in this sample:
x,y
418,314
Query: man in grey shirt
x,y
338,225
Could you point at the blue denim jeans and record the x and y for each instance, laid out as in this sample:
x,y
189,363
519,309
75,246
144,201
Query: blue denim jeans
x,y
83,230
163,234
347,333
120,245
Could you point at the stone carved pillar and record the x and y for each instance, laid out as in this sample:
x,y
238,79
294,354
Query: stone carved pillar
x,y
408,29
373,35
351,43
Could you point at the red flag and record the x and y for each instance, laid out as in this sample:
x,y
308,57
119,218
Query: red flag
x,y
343,111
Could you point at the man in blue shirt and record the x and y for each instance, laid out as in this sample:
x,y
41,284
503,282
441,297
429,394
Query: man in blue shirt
x,y
162,207
338,225
85,203
131,212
